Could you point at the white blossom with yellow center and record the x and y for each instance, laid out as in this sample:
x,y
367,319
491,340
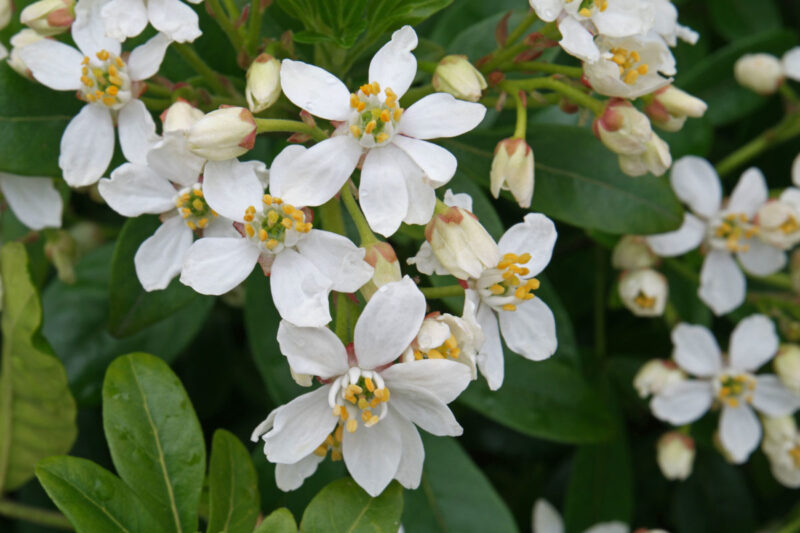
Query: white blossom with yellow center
x,y
128,18
728,382
781,445
368,406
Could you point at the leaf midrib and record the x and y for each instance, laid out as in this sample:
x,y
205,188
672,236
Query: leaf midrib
x,y
92,502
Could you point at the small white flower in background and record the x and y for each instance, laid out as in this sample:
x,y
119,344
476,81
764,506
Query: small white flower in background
x,y
455,74
128,18
49,17
546,519
781,445
779,220
21,39
400,170
669,107
263,83
644,291
34,201
6,9
512,170
675,455
787,366
666,24
632,251
383,259
761,73
367,408
109,86
304,264
724,229
655,375
223,134
729,382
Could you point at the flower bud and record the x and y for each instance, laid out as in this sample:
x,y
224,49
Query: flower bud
x,y
381,257
223,134
779,428
622,128
787,366
61,250
655,375
263,83
632,251
19,40
675,455
644,291
779,224
679,103
6,8
761,73
512,170
655,159
456,75
49,17
180,116
460,243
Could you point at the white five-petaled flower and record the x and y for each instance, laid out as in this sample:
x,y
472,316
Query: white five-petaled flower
x,y
546,519
724,228
34,201
304,264
109,86
726,381
399,170
128,18
367,408
666,24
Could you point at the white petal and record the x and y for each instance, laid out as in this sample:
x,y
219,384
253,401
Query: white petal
x,y
772,398
372,455
490,357
299,291
171,158
230,187
87,146
291,476
175,19
796,170
146,59
394,65
722,284
221,227
791,63
409,471
53,64
137,131
217,265
749,194
761,259
314,351
425,410
696,350
316,90
281,178
89,31
461,199
609,527
739,432
300,426
34,201
577,40
682,402
530,331
124,18
382,191
421,198
440,115
546,519
160,257
426,261
388,324
443,378
678,242
753,343
536,235
697,184
337,258
438,164
134,190
548,11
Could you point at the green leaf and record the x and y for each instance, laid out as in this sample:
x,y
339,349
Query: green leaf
x,y
454,495
279,521
37,411
232,486
588,191
340,21
154,438
386,15
735,19
131,307
343,506
93,498
32,119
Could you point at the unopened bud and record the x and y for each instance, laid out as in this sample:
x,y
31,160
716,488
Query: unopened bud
x,y
632,251
655,159
263,83
512,170
761,73
381,257
6,8
787,366
87,236
460,243
622,128
61,250
21,39
644,291
675,455
779,428
456,75
223,134
779,224
655,376
49,17
669,106
180,116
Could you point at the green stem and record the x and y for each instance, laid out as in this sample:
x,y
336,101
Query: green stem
x,y
34,515
788,93
522,117
254,26
502,55
550,68
189,55
342,317
364,231
786,129
331,214
526,23
155,104
447,291
542,100
576,95
600,274
158,90
226,24
275,124
781,281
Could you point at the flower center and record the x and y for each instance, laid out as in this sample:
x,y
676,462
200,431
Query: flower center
x,y
332,442
586,6
276,226
106,81
503,287
358,395
192,206
790,225
733,389
448,350
732,230
629,63
794,453
374,119
644,301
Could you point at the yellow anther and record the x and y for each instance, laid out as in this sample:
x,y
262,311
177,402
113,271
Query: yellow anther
x,y
382,138
86,80
366,89
362,402
112,71
337,435
619,59
366,415
103,55
288,209
286,223
509,307
451,342
112,90
435,354
371,125
109,100
91,97
329,440
84,70
631,76
98,93
336,455
533,283
417,355
455,352
345,414
354,389
337,410
378,394
202,223
249,230
524,258
521,293
352,425
375,402
85,60
267,199
361,106
119,62
635,56
321,451
354,100
272,218
116,80
386,116
644,301
497,289
355,130
372,421
376,88
349,397
192,225
643,69
733,402
186,212
197,203
271,244
262,235
397,114
385,395
298,216
585,12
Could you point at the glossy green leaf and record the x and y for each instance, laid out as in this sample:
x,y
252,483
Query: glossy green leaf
x,y
454,495
92,498
735,19
37,411
344,507
131,307
154,438
340,21
279,521
232,486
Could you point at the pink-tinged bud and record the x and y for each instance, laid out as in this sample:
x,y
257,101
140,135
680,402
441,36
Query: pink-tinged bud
x,y
512,170
787,366
670,106
381,257
622,128
263,83
223,134
21,39
655,376
632,251
456,75
761,73
180,116
460,243
49,17
675,455
644,291
655,159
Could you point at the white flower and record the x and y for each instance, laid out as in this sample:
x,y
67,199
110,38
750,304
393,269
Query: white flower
x,y
644,291
729,382
787,366
34,201
513,170
304,264
724,229
655,375
263,83
782,447
761,73
108,84
779,220
666,24
368,407
128,18
632,251
546,519
399,170
21,39
675,455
